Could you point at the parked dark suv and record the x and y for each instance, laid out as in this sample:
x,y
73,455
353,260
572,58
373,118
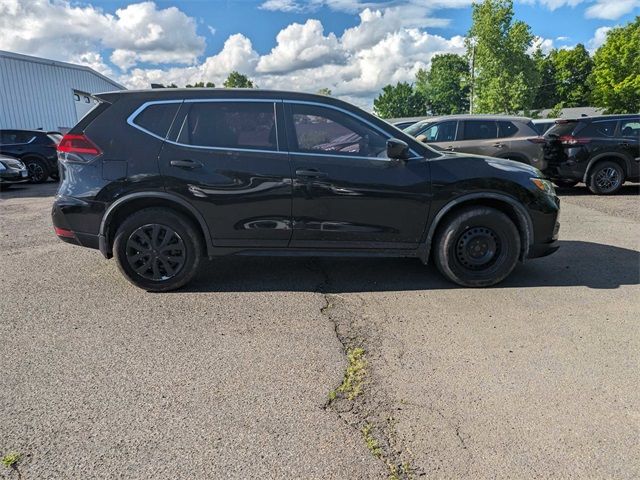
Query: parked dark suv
x,y
35,148
162,178
603,152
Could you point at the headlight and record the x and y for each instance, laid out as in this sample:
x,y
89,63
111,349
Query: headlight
x,y
545,185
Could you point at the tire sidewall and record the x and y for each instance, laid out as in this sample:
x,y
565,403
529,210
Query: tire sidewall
x,y
447,240
175,221
39,163
601,166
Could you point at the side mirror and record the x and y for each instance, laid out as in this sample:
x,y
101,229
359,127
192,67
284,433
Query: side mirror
x,y
397,149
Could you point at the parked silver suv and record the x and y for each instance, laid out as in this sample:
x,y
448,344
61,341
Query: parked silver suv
x,y
499,136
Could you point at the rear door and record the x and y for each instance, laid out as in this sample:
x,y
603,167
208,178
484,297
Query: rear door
x,y
629,143
347,193
226,158
480,137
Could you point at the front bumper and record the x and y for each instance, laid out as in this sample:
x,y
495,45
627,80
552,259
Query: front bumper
x,y
11,176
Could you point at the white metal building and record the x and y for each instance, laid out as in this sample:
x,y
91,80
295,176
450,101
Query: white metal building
x,y
46,94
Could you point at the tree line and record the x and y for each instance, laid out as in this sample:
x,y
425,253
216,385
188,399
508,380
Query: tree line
x,y
234,80
501,74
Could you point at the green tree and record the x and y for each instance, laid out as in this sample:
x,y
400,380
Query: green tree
x,y
445,86
202,85
546,95
571,70
238,80
399,101
325,91
616,73
505,76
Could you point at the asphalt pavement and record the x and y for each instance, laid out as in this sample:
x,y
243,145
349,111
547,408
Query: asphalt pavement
x,y
233,376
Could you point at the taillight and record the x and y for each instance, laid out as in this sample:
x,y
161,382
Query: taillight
x,y
78,144
63,232
571,140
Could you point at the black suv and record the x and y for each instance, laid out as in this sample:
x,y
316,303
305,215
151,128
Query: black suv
x,y
603,152
161,179
35,148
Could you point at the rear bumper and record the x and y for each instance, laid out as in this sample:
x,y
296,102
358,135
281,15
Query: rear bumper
x,y
71,215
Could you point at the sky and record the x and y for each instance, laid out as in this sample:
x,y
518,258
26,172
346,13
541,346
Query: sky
x,y
353,47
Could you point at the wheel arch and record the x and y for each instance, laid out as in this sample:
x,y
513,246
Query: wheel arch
x,y
504,203
121,208
610,157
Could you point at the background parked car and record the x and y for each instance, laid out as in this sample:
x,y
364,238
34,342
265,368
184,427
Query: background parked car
x,y
542,125
403,123
36,149
603,152
504,136
12,171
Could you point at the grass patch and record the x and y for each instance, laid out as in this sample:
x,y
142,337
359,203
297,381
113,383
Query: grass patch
x,y
10,459
354,376
372,443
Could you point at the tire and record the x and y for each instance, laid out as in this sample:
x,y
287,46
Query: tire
x,y
169,266
37,170
477,247
565,183
606,178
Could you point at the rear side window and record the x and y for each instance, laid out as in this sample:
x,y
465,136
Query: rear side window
x,y
15,137
157,119
249,125
507,129
599,129
480,130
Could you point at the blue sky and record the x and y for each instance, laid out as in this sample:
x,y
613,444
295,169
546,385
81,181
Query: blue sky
x,y
353,47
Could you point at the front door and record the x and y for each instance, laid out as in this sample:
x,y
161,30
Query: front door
x,y
346,192
225,157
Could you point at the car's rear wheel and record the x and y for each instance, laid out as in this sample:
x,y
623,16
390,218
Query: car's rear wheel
x,y
565,183
158,249
606,178
37,170
477,247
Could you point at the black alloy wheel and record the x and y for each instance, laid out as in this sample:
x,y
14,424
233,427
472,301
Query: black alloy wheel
x,y
156,252
607,178
37,170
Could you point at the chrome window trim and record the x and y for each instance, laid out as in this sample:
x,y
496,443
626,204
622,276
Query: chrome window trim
x,y
385,134
141,108
19,143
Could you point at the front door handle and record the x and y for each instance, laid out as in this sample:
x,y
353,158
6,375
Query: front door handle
x,y
310,173
498,145
625,144
186,164
450,148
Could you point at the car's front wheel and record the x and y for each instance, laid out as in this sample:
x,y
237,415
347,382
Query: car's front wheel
x,y
158,249
606,178
477,247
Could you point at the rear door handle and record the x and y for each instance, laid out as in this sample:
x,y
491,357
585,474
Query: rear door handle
x,y
310,173
450,148
498,145
186,164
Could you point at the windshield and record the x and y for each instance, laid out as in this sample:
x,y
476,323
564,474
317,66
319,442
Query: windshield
x,y
416,128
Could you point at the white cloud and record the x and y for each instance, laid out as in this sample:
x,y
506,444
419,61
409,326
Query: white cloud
x,y
611,10
545,44
598,39
301,46
61,30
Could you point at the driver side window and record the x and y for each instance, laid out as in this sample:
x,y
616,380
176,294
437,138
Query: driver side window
x,y
328,131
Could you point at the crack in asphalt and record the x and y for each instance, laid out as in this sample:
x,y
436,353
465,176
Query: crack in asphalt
x,y
372,409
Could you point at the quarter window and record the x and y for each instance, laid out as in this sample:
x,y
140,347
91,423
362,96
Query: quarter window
x,y
506,129
480,130
248,125
328,131
157,118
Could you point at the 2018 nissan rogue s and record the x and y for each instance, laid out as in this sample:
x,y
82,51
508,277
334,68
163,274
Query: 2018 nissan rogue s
x,y
161,179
